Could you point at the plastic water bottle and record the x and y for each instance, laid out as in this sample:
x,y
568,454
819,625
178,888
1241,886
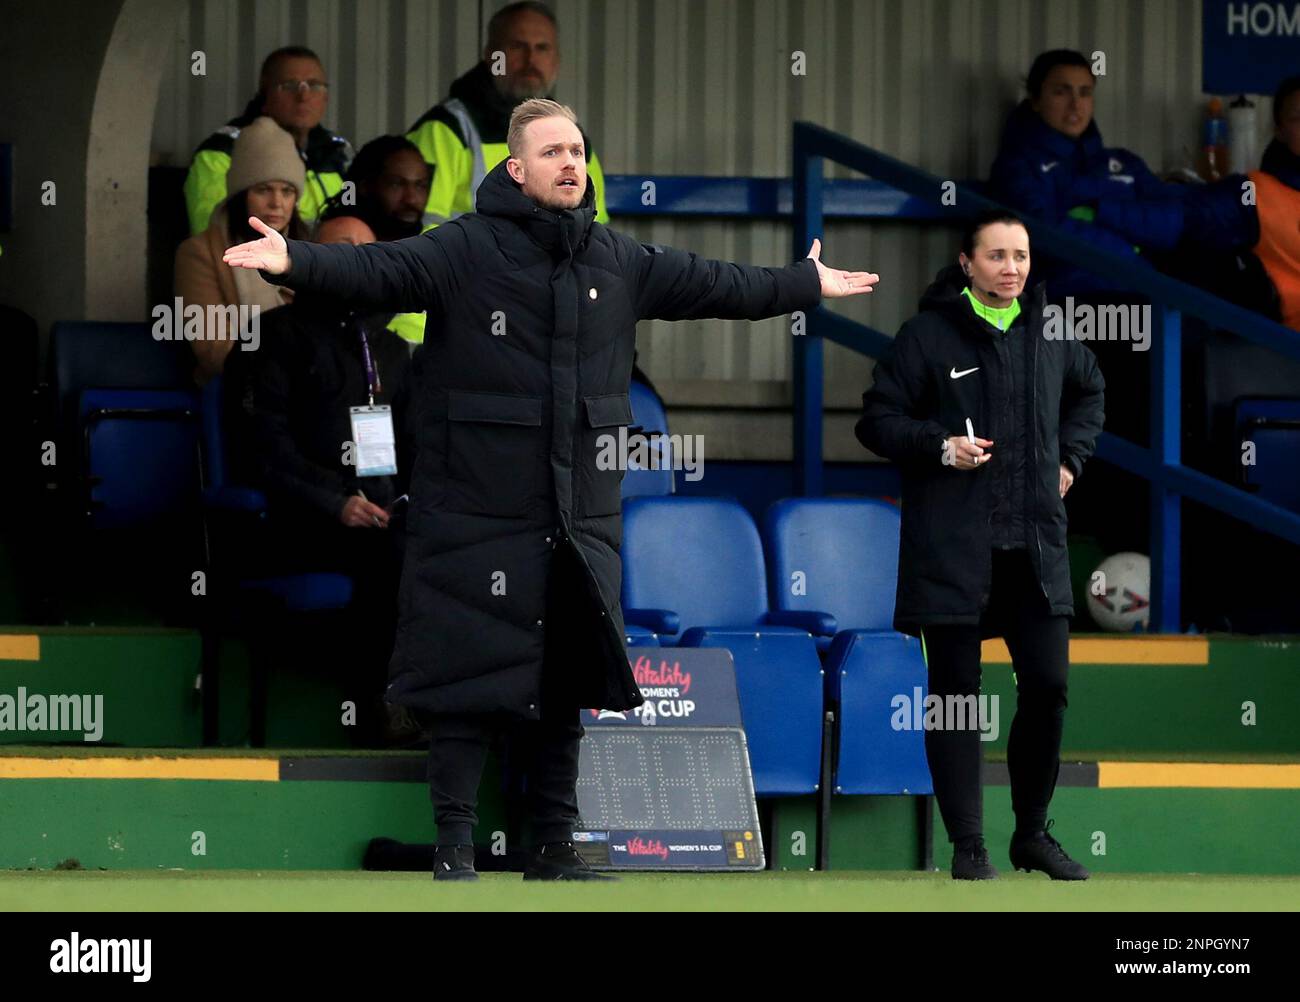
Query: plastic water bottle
x,y
1243,136
1214,145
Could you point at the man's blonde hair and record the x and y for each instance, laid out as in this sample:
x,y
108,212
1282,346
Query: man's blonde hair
x,y
530,111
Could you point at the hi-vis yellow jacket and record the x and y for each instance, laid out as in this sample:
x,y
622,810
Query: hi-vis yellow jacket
x,y
464,137
327,157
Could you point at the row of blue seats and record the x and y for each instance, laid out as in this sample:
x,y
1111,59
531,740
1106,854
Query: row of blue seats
x,y
141,448
138,430
148,447
150,444
130,418
806,611
817,587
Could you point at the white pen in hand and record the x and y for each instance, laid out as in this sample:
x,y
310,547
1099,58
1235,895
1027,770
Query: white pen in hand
x,y
970,438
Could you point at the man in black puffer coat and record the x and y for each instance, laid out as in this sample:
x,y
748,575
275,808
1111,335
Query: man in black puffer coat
x,y
513,561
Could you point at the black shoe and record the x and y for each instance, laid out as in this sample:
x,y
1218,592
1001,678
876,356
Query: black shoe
x,y
560,861
970,861
1040,851
454,862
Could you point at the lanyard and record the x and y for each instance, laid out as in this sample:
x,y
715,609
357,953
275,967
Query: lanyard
x,y
373,385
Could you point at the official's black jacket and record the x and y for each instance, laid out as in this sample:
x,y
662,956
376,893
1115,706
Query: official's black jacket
x,y
923,394
525,366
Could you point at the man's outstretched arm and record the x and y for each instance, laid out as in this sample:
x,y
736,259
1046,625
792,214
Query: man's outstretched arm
x,y
400,275
673,284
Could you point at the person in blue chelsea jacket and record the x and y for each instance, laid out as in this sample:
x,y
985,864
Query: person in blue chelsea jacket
x,y
1053,165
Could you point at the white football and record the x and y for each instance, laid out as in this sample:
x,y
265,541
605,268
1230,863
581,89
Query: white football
x,y
1119,592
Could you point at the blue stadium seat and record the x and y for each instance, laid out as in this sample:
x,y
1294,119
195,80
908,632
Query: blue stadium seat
x,y
647,410
876,678
779,681
218,493
141,455
691,562
309,592
837,557
1273,425
120,356
111,383
251,597
637,636
649,416
115,356
835,560
126,472
694,566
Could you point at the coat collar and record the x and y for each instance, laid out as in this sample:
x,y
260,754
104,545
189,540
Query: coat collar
x,y
944,297
560,233
1282,164
1025,129
490,111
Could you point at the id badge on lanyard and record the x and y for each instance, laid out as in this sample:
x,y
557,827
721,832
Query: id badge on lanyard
x,y
372,427
372,431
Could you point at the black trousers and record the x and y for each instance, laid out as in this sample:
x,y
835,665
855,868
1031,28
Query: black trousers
x,y
543,753
546,753
1039,644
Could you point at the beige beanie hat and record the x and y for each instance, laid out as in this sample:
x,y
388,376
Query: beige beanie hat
x,y
264,152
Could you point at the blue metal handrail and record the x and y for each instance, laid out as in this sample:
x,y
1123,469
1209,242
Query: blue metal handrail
x,y
1160,464
754,197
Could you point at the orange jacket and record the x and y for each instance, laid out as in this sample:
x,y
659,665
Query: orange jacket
x,y
1278,249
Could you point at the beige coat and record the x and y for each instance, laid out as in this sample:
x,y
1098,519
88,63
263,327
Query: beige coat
x,y
202,278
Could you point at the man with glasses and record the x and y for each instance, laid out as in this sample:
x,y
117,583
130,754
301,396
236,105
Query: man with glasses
x,y
294,91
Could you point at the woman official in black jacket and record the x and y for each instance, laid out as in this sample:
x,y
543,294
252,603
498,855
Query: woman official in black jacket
x,y
990,418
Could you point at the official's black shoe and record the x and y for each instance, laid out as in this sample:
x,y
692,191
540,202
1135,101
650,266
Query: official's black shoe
x,y
454,862
1040,851
560,861
970,861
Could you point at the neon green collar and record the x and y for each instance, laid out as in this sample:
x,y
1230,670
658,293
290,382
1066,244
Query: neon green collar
x,y
1001,317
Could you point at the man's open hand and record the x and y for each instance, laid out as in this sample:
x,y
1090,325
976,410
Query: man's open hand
x,y
270,254
836,283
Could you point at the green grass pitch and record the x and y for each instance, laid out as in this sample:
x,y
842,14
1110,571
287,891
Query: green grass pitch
x,y
856,891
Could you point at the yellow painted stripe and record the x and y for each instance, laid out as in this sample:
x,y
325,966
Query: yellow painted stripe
x,y
1212,775
20,647
262,770
1118,651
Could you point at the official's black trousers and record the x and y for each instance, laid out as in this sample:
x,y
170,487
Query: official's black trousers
x,y
1039,645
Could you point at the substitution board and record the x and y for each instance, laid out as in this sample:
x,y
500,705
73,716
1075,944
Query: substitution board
x,y
668,786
